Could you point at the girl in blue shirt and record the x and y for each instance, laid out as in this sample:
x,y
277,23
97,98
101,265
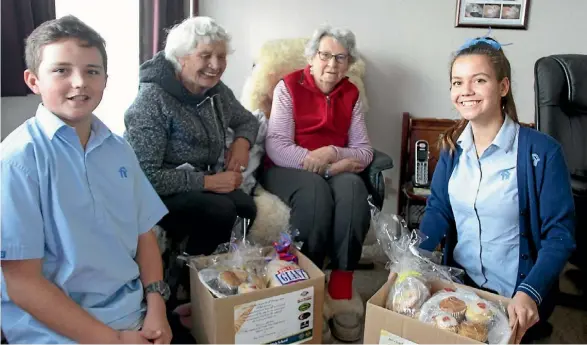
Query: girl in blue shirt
x,y
500,194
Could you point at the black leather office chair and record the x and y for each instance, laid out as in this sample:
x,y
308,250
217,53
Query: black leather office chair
x,y
561,111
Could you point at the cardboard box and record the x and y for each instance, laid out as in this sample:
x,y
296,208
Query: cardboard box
x,y
285,314
383,326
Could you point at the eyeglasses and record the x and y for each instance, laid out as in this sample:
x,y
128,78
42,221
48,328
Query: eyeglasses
x,y
326,56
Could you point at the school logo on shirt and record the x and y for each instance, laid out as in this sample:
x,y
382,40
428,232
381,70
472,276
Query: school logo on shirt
x,y
123,173
505,175
535,159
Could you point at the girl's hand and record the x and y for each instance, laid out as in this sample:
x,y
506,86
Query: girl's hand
x,y
523,311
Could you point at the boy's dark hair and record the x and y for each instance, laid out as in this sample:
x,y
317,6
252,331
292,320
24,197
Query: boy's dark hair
x,y
58,29
501,66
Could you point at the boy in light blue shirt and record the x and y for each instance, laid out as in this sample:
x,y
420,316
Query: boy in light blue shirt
x,y
77,211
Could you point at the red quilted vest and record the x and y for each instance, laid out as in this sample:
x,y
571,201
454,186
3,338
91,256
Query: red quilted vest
x,y
320,119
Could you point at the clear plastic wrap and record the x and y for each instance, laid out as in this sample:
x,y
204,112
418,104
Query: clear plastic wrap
x,y
414,268
475,318
285,244
241,266
411,288
241,270
283,268
452,308
401,245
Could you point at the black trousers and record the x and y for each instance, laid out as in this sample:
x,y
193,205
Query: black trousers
x,y
332,216
205,218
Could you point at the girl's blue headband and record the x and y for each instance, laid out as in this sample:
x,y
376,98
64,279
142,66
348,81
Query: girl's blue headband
x,y
484,39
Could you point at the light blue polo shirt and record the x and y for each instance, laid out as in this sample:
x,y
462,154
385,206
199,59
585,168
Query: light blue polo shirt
x,y
484,199
82,213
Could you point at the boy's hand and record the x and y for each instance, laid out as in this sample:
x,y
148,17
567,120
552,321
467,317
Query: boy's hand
x,y
156,327
131,337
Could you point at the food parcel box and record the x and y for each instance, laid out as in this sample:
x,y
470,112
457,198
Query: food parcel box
x,y
278,315
383,326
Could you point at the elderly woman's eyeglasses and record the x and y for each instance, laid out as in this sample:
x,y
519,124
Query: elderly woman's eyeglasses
x,y
326,56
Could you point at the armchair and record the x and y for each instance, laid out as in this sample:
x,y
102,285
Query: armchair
x,y
561,112
276,59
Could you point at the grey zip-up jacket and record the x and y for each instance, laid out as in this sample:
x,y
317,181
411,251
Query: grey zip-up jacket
x,y
168,126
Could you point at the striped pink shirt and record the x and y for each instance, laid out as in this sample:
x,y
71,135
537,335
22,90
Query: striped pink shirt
x,y
283,150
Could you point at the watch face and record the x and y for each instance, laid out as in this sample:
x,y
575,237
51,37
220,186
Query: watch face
x,y
161,288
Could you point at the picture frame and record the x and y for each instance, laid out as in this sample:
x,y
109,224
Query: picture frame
x,y
502,14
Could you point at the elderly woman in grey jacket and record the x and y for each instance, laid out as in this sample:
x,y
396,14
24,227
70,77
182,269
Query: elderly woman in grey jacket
x,y
178,128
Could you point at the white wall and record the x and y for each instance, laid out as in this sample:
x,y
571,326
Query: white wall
x,y
407,46
122,48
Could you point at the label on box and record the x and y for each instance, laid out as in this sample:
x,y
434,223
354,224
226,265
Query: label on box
x,y
389,338
290,275
283,319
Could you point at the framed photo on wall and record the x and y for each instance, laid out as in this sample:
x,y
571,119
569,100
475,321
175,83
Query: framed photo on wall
x,y
506,14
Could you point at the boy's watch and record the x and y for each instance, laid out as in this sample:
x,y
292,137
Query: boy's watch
x,y
159,287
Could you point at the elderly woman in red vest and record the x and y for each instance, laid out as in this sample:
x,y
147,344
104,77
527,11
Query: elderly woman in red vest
x,y
317,143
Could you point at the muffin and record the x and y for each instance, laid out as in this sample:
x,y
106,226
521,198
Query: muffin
x,y
446,321
408,296
405,301
475,331
227,280
454,307
479,312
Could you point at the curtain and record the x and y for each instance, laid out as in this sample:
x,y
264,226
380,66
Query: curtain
x,y
19,19
156,17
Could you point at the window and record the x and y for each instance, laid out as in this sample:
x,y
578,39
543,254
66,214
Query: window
x,y
118,23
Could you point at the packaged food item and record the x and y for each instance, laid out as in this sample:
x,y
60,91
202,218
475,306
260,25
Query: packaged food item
x,y
241,274
257,280
479,312
408,293
229,281
475,331
283,247
453,306
224,273
482,319
280,272
415,270
446,322
247,287
401,246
